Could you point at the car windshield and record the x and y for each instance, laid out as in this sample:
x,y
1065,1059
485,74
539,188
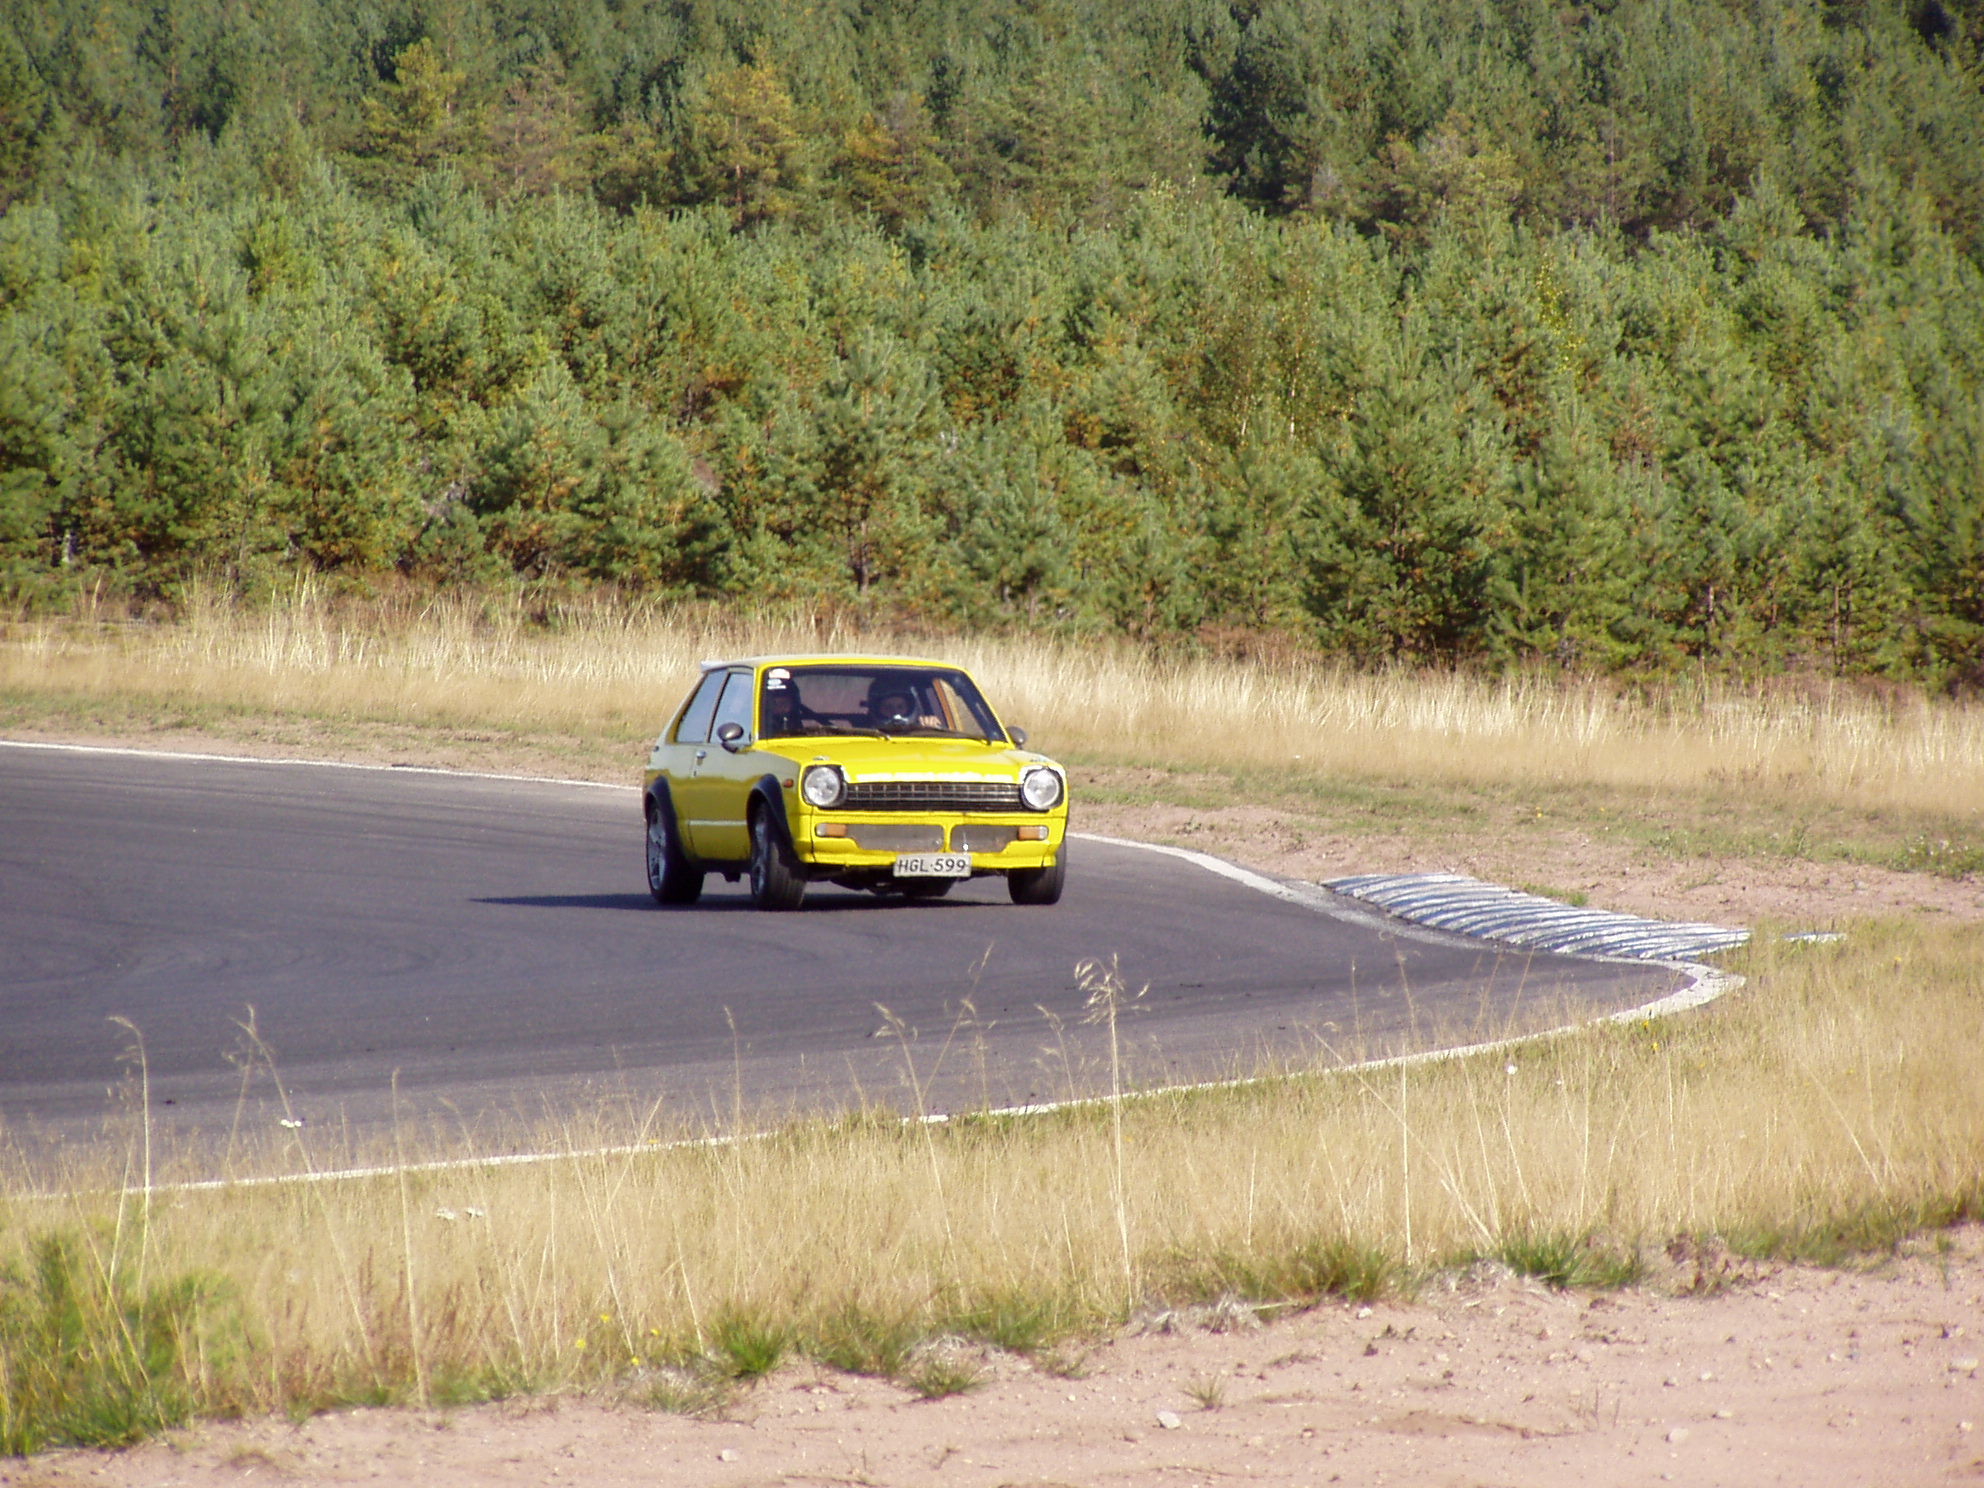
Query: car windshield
x,y
883,701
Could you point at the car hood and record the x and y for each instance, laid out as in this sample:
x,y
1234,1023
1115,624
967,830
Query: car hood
x,y
910,758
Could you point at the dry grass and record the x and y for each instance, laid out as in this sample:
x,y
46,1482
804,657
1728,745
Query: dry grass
x,y
602,675
1830,1106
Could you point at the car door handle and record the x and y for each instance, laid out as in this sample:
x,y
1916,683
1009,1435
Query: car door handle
x,y
701,755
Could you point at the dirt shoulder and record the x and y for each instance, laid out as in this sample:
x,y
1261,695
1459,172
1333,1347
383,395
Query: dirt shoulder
x,y
1787,892
1791,1376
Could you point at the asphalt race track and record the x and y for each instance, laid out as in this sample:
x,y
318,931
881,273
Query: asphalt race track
x,y
416,945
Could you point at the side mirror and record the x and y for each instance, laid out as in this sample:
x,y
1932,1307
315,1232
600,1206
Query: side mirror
x,y
1017,735
728,735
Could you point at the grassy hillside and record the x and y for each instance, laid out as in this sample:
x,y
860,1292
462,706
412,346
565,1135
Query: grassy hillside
x,y
1628,341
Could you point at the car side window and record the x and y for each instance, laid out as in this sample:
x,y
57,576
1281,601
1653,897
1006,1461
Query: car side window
x,y
701,712
735,706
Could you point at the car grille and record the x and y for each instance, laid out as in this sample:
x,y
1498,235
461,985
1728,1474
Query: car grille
x,y
932,795
896,837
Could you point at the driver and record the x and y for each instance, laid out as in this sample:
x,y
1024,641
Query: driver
x,y
891,705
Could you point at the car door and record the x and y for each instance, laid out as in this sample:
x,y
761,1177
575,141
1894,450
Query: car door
x,y
717,789
679,753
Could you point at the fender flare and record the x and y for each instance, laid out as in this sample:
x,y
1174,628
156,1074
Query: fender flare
x,y
765,791
657,800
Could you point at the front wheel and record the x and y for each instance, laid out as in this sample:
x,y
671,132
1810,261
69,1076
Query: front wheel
x,y
776,882
672,879
1039,885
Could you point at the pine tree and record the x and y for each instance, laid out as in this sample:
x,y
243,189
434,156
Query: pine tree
x,y
537,139
1399,538
746,148
888,165
27,117
1561,586
416,120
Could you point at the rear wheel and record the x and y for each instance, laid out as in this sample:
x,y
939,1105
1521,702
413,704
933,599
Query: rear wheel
x,y
1039,885
925,888
672,879
776,882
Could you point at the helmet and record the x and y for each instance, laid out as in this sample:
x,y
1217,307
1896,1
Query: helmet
x,y
891,701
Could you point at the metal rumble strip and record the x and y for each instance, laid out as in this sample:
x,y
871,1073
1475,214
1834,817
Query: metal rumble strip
x,y
1467,906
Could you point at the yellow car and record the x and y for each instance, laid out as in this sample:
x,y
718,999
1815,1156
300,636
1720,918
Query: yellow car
x,y
880,773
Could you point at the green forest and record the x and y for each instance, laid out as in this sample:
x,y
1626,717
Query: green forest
x,y
1621,336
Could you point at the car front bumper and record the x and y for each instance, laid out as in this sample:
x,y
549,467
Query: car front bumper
x,y
844,841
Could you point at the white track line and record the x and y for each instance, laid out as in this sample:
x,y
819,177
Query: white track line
x,y
1706,985
315,764
1705,989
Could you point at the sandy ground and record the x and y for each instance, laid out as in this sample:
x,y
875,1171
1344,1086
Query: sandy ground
x,y
1612,875
1716,1375
1715,1372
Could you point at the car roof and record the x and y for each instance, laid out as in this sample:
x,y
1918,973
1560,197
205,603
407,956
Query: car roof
x,y
826,658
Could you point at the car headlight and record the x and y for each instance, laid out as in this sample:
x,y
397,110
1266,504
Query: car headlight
x,y
1040,789
823,786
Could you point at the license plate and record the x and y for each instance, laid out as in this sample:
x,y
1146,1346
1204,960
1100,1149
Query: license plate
x,y
933,865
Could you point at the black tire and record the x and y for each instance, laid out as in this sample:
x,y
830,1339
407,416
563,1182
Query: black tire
x,y
672,878
1039,885
776,882
925,888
